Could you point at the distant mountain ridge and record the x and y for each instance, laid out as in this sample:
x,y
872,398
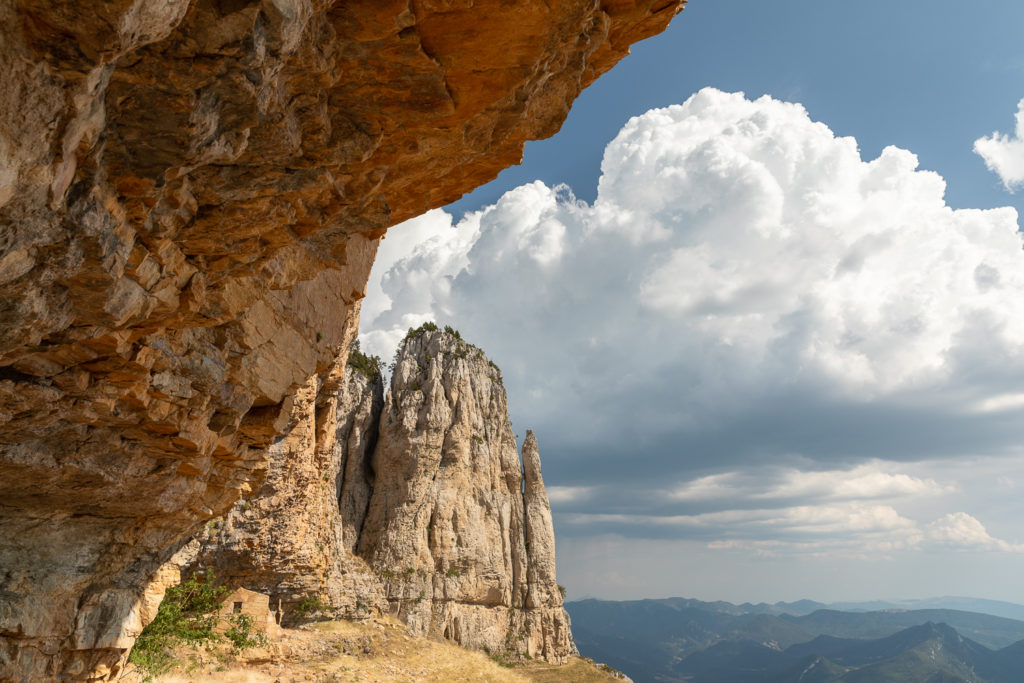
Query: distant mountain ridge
x,y
680,639
996,608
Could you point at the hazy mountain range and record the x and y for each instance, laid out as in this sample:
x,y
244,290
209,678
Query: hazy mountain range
x,y
996,608
677,639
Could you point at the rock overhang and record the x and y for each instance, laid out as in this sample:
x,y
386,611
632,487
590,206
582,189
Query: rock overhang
x,y
192,193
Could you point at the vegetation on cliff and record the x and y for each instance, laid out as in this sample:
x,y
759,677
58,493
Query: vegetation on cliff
x,y
366,365
462,348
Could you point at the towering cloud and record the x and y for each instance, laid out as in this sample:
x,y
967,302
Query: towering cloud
x,y
746,292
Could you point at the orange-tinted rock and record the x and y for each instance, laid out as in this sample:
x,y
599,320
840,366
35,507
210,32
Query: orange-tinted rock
x,y
191,196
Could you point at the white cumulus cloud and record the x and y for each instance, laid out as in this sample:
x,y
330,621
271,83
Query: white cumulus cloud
x,y
744,286
961,531
1004,154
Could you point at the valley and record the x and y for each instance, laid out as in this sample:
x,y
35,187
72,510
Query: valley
x,y
676,639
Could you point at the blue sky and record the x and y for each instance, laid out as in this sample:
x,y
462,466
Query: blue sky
x,y
776,355
930,77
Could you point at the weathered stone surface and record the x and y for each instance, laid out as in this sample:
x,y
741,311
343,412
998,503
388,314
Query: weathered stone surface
x,y
191,195
416,503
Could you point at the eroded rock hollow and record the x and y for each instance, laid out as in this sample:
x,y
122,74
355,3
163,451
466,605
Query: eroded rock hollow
x,y
191,196
416,503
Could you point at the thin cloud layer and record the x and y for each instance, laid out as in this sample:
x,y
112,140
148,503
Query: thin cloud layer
x,y
1004,154
771,511
869,481
753,488
745,295
853,529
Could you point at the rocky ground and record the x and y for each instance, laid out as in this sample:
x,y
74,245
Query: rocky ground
x,y
381,650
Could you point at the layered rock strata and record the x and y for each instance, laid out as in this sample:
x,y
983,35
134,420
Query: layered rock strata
x,y
420,506
191,195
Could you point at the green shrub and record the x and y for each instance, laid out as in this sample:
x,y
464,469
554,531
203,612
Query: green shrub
x,y
241,635
311,603
503,659
417,332
368,366
609,670
497,378
187,615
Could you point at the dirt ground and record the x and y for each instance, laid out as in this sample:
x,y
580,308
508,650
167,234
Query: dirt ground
x,y
379,650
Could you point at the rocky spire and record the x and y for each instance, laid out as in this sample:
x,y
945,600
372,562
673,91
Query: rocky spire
x,y
540,534
464,552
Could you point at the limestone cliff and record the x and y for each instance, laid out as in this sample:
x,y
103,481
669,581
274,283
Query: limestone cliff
x,y
419,506
191,195
464,552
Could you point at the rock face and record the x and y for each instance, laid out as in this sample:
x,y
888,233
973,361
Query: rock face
x,y
191,195
463,550
417,504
